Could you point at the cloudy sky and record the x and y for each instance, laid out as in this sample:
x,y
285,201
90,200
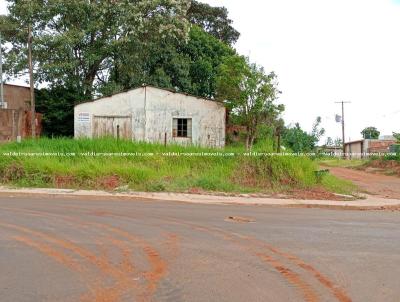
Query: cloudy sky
x,y
325,51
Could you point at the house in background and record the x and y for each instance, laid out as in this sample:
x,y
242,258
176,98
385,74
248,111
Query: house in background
x,y
15,116
154,115
336,151
365,147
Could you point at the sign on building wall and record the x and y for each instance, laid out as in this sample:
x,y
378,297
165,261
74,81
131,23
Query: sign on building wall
x,y
84,117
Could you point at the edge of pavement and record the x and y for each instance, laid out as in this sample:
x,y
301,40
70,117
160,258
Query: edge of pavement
x,y
369,203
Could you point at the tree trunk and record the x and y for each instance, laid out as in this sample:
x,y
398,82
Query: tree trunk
x,y
247,142
90,77
252,138
88,85
279,143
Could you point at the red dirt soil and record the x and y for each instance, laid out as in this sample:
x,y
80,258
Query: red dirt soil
x,y
386,166
313,194
374,184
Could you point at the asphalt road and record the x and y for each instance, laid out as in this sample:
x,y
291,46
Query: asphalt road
x,y
57,249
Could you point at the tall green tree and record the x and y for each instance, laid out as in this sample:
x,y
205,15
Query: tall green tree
x,y
75,42
214,20
206,54
86,48
188,66
279,127
338,142
299,140
329,142
250,94
57,106
370,133
317,130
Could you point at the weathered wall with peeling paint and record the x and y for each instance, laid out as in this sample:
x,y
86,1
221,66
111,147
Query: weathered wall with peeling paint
x,y
14,123
15,119
151,111
17,97
129,103
10,124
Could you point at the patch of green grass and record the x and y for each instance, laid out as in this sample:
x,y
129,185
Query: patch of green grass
x,y
392,157
153,167
343,163
337,185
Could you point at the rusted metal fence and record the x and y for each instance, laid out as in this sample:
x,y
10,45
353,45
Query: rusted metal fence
x,y
17,123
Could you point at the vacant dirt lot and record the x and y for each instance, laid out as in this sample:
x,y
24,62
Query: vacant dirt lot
x,y
371,183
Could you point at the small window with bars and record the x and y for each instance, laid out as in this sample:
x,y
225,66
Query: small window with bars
x,y
182,127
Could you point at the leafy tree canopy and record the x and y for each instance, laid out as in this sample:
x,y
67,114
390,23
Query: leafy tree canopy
x,y
249,93
370,133
317,131
102,47
191,66
75,42
57,104
338,142
329,142
299,140
214,20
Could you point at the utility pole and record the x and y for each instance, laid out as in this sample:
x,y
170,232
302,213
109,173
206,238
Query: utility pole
x,y
32,89
343,126
2,104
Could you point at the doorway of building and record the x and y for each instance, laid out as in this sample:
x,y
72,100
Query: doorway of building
x,y
112,126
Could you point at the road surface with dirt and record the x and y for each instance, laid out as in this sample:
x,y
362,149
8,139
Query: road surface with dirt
x,y
371,183
70,249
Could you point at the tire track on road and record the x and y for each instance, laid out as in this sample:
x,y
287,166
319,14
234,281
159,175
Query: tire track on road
x,y
336,290
96,293
292,277
295,279
256,247
338,293
103,292
158,264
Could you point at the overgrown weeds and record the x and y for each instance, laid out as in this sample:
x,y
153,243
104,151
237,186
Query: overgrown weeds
x,y
110,164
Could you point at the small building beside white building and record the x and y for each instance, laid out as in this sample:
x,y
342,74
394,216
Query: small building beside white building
x,y
153,115
366,147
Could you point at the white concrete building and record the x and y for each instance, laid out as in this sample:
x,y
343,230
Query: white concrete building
x,y
153,115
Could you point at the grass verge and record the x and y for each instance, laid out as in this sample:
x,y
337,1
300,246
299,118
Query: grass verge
x,y
340,186
109,164
342,163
